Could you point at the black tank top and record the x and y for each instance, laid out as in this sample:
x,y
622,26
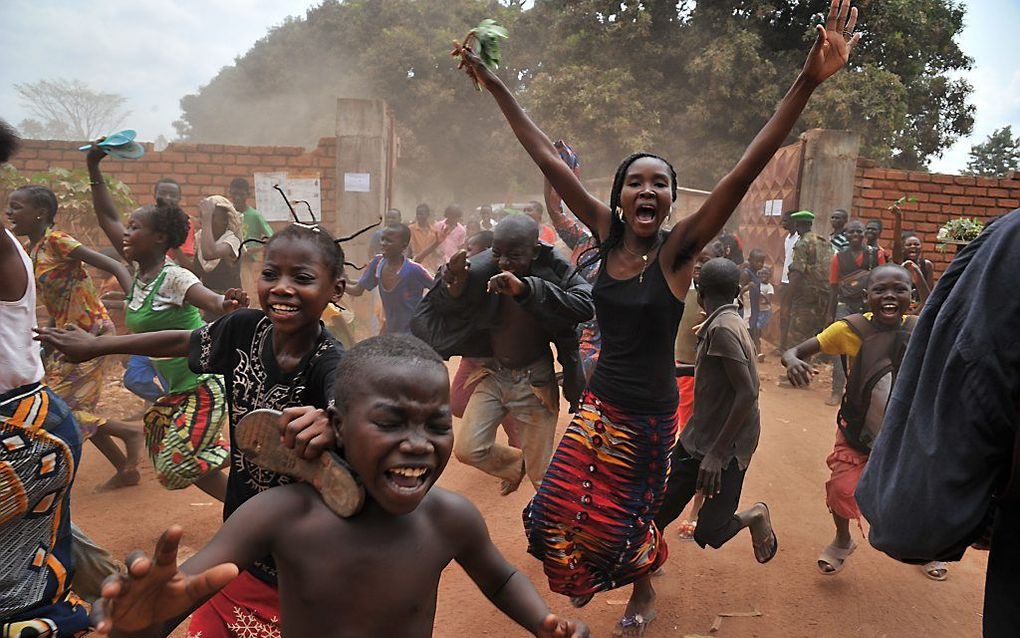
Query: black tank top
x,y
638,319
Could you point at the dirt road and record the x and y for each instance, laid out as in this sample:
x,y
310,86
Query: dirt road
x,y
874,596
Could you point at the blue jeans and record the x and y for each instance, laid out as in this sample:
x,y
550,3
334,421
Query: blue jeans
x,y
141,378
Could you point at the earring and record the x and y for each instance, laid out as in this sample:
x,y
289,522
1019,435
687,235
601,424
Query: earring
x,y
619,213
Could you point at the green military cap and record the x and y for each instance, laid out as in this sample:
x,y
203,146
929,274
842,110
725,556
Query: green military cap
x,y
803,216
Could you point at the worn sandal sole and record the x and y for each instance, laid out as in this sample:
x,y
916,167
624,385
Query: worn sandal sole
x,y
773,538
258,435
625,624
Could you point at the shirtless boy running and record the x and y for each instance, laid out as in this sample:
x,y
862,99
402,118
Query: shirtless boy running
x,y
373,574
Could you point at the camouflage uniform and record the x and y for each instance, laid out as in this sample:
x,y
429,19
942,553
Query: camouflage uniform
x,y
812,257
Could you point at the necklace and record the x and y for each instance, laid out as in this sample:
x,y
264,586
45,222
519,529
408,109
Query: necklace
x,y
643,257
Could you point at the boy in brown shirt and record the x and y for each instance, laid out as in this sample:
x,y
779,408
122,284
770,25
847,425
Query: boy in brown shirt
x,y
715,448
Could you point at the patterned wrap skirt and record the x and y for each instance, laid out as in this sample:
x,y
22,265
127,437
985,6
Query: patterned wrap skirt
x,y
80,384
183,433
591,521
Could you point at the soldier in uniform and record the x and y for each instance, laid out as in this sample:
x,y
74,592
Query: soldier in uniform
x,y
809,280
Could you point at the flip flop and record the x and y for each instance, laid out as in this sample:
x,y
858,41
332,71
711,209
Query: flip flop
x,y
631,622
131,150
120,138
258,435
936,570
761,552
835,557
581,601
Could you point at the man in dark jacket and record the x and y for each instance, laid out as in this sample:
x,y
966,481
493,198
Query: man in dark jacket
x,y
938,474
506,305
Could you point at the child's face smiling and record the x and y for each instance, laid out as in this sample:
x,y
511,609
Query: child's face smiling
x,y
397,432
889,295
392,243
140,240
22,214
513,255
296,285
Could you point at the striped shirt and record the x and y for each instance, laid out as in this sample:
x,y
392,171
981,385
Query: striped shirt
x,y
839,242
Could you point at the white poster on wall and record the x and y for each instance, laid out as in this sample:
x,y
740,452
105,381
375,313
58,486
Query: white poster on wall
x,y
299,187
357,182
774,208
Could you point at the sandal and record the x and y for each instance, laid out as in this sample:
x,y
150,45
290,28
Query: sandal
x,y
258,436
581,601
687,529
506,487
936,570
834,557
764,552
633,625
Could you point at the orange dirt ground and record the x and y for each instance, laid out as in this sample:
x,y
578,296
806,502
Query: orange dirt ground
x,y
873,596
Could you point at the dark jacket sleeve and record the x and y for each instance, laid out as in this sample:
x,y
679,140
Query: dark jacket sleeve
x,y
551,302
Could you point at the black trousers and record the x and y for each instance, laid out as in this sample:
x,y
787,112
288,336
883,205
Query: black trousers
x,y
1002,580
716,521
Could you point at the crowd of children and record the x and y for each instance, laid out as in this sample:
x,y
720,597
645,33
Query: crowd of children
x,y
658,335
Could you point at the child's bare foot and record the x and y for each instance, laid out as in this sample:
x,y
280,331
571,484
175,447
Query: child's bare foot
x,y
127,477
258,435
640,611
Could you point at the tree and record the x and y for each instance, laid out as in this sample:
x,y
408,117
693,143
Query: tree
x,y
997,155
69,109
693,81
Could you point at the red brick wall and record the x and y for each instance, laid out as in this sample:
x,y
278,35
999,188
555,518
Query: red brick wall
x,y
939,199
201,169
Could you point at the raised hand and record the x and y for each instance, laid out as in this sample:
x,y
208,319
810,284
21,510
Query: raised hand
x,y
76,344
833,43
799,371
555,627
507,283
475,69
95,154
155,590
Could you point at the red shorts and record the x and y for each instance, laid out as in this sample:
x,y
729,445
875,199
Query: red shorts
x,y
246,608
847,465
685,409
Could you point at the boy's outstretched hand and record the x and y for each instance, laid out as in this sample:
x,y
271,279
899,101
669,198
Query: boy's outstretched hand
x,y
555,627
833,43
155,590
234,299
798,371
75,344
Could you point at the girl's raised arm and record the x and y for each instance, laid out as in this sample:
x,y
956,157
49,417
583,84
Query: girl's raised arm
x,y
102,262
102,201
584,205
830,53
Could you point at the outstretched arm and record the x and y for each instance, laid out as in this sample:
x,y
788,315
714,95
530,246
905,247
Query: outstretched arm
x,y
830,53
213,302
156,595
507,588
102,262
584,205
797,369
78,345
102,201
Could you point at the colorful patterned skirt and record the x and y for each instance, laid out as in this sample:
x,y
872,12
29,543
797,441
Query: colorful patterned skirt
x,y
183,433
80,384
590,522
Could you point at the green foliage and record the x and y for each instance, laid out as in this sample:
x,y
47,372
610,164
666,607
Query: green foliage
x,y
75,214
693,81
488,34
962,230
997,155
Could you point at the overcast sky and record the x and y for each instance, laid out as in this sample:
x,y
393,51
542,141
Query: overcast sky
x,y
156,51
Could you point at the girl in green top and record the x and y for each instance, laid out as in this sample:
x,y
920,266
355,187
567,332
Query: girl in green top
x,y
183,428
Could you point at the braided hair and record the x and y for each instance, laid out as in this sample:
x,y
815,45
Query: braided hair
x,y
41,197
331,251
617,225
